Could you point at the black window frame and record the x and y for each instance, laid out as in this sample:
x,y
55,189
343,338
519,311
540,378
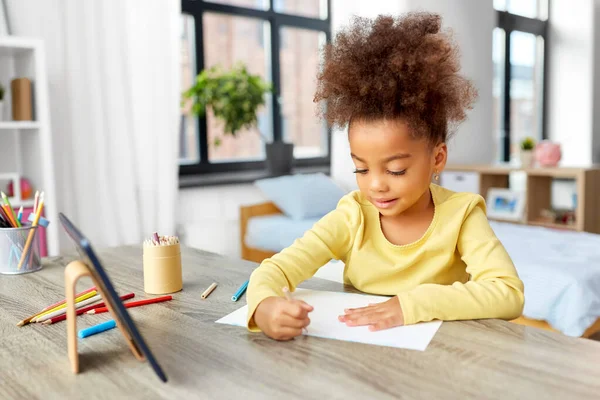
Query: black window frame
x,y
509,23
196,9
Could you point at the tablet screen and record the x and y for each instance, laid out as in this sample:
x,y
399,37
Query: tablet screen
x,y
85,250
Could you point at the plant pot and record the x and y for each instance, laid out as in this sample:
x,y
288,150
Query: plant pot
x,y
526,158
1,110
280,157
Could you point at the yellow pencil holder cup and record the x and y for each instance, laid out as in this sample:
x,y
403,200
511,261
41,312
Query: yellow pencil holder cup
x,y
162,269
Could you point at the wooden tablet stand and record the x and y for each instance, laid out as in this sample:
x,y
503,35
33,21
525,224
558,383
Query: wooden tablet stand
x,y
74,271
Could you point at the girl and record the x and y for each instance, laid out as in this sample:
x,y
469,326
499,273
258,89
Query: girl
x,y
394,82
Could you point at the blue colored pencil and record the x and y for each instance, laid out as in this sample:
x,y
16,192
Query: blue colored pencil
x,y
92,330
20,214
240,291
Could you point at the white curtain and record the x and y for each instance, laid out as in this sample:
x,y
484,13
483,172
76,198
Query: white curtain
x,y
114,93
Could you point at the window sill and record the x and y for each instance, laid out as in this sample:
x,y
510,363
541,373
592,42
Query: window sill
x,y
234,178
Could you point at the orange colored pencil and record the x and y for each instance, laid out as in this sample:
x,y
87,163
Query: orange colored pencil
x,y
9,215
132,304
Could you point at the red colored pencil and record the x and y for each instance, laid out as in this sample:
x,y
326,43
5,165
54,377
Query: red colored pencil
x,y
84,309
63,301
132,304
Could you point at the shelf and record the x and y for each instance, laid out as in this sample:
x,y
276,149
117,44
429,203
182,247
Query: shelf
x,y
553,225
6,125
12,45
25,203
505,169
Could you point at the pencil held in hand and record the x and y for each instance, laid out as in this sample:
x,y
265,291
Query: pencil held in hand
x,y
288,295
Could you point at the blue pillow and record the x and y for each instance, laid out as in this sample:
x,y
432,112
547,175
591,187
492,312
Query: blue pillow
x,y
302,196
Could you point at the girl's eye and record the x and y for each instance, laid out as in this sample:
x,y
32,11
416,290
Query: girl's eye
x,y
396,173
360,171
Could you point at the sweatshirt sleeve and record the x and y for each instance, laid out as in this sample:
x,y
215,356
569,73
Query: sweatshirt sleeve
x,y
493,291
330,238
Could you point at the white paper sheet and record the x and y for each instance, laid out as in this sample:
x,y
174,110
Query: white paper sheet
x,y
324,322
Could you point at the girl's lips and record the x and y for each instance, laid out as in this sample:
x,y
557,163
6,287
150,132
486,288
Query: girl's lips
x,y
382,203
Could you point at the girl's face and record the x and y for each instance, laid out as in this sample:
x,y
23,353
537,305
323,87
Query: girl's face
x,y
393,170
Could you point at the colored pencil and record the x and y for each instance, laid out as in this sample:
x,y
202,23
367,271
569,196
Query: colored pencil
x,y
84,310
65,300
240,291
132,304
4,218
35,202
64,305
288,296
92,330
63,310
208,291
31,233
28,319
10,209
7,213
20,214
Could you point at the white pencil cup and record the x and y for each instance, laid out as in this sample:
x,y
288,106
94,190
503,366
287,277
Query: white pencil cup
x,y
162,269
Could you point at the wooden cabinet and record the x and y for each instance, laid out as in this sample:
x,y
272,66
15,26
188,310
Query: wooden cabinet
x,y
538,190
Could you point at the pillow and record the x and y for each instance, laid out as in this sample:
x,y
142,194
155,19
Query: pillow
x,y
302,196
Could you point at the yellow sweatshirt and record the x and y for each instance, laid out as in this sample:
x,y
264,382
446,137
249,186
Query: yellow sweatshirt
x,y
457,270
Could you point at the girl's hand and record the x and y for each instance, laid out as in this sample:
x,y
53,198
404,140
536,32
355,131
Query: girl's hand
x,y
378,316
282,319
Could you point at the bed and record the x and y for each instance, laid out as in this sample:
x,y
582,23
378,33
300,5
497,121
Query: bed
x,y
560,269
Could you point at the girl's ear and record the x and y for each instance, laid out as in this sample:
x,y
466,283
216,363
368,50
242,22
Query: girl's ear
x,y
440,156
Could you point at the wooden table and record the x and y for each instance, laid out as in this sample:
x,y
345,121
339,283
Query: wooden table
x,y
205,360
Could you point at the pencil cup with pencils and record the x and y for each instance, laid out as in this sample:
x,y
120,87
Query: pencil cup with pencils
x,y
162,265
19,250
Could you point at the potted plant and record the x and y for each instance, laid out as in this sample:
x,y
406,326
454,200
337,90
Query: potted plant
x,y
1,102
235,97
526,153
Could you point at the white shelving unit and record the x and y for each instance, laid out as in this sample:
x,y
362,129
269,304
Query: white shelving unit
x,y
26,146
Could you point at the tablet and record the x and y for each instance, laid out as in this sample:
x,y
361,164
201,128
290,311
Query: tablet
x,y
84,248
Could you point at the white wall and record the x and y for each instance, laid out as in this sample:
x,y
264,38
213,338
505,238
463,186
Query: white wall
x,y
209,216
570,78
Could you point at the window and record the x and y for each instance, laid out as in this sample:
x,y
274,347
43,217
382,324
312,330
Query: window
x,y
519,50
299,61
188,130
280,40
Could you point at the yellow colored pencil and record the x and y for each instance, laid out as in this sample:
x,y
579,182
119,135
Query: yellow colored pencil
x,y
31,234
77,300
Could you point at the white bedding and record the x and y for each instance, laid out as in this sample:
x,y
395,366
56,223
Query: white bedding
x,y
560,271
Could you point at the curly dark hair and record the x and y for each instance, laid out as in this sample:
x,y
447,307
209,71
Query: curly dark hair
x,y
395,68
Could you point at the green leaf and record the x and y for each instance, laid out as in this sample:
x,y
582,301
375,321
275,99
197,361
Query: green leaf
x,y
234,95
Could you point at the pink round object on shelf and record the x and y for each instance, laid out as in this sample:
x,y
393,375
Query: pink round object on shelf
x,y
547,153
